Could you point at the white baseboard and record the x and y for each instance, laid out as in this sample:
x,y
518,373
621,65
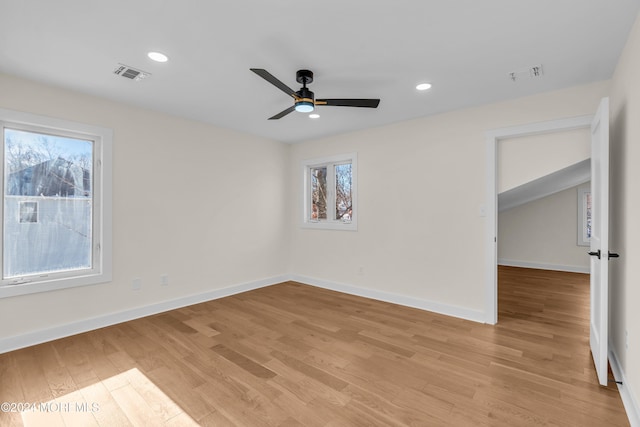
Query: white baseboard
x,y
629,399
61,331
85,325
449,310
543,266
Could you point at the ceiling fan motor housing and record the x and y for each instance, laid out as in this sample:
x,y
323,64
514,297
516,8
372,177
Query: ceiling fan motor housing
x,y
305,101
305,95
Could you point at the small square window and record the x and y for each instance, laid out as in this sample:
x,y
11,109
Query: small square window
x,y
330,193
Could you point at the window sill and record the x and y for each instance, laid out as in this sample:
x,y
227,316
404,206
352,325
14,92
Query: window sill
x,y
52,285
330,225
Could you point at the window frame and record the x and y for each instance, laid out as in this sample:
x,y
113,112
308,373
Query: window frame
x,y
101,252
330,163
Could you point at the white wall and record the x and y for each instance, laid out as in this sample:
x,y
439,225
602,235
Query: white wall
x,y
421,184
543,234
524,159
201,204
625,214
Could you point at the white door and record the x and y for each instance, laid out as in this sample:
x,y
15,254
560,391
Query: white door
x,y
600,239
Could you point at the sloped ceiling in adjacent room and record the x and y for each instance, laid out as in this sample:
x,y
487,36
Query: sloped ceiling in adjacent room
x,y
571,176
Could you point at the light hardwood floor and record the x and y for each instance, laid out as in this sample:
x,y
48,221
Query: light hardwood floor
x,y
295,355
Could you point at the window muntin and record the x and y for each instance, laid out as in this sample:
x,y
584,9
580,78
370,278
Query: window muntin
x,y
329,192
56,208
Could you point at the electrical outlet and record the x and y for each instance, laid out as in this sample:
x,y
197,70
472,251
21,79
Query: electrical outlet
x,y
164,280
136,284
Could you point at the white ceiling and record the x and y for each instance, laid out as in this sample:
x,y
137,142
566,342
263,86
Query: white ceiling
x,y
356,48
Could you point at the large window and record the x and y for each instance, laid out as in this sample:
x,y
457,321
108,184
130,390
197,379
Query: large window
x,y
56,204
330,192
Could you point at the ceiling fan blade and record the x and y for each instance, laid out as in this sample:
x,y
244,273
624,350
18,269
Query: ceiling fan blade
x,y
274,81
283,113
368,103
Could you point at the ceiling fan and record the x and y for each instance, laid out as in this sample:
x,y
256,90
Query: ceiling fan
x,y
304,101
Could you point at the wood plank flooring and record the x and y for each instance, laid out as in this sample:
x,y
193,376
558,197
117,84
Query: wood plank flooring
x,y
295,355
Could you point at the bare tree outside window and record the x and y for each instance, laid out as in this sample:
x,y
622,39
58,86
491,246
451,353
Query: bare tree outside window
x,y
344,206
319,193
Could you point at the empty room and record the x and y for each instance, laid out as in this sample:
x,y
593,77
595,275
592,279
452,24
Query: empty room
x,y
409,213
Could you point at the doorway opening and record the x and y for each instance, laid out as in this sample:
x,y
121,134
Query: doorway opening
x,y
491,249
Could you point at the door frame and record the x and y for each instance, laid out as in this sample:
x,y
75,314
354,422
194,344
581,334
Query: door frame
x,y
493,137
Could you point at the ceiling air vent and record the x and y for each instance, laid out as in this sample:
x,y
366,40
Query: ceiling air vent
x,y
130,72
532,72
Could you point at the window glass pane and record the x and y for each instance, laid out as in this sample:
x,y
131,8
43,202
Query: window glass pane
x,y
588,215
48,202
318,193
344,208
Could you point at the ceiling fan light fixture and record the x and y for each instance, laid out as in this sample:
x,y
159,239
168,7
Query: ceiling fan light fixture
x,y
304,106
423,86
304,101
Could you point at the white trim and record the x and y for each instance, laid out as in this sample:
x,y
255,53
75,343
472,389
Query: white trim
x,y
449,310
491,232
61,331
491,229
541,266
627,395
330,225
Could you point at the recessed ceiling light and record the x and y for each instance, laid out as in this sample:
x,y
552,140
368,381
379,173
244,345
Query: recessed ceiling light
x,y
423,86
158,57
314,116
